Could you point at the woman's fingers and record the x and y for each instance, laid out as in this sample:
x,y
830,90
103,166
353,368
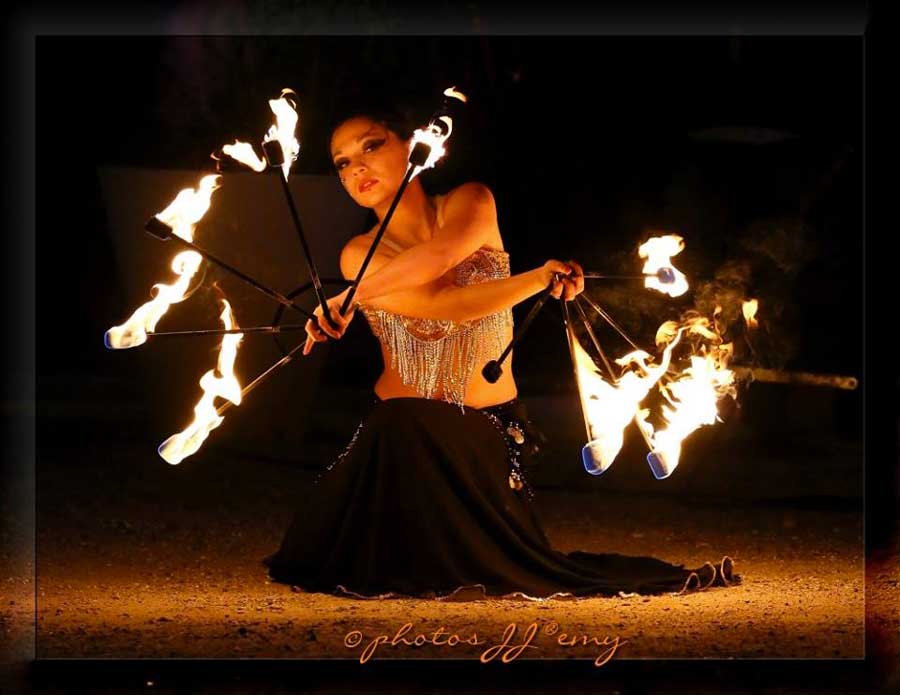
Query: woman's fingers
x,y
340,321
326,327
573,281
568,281
313,335
578,277
318,331
557,290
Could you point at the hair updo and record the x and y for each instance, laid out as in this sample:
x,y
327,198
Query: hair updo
x,y
398,116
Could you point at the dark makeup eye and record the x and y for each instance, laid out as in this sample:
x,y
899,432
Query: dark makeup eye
x,y
369,146
373,145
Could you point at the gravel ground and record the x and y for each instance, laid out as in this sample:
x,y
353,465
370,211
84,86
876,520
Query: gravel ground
x,y
135,563
166,572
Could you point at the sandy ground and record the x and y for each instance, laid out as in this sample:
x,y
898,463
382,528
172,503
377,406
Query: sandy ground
x,y
174,571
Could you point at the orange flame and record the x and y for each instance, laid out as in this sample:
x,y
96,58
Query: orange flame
x,y
608,408
434,137
452,92
692,395
659,251
749,308
181,445
244,153
182,215
189,207
284,129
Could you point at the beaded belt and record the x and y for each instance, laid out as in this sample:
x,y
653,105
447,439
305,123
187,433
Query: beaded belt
x,y
523,439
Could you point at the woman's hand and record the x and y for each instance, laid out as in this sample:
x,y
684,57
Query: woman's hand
x,y
570,282
318,330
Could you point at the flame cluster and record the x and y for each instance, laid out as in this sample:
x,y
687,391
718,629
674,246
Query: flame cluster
x,y
691,387
691,379
609,407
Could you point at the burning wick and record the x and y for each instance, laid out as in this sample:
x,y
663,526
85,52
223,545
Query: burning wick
x,y
659,251
283,130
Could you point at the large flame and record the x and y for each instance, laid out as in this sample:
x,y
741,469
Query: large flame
x,y
189,207
749,309
284,128
181,445
659,251
182,215
434,136
134,331
692,395
608,408
244,153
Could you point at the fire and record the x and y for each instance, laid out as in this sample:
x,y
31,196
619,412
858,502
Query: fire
x,y
244,153
749,308
134,331
692,395
283,130
189,207
182,215
659,251
452,92
434,135
181,445
608,408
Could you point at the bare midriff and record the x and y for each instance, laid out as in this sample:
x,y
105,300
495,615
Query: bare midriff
x,y
479,392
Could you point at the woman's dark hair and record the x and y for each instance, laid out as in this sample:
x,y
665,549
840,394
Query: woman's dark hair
x,y
398,116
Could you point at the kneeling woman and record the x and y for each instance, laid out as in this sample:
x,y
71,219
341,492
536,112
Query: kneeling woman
x,y
429,498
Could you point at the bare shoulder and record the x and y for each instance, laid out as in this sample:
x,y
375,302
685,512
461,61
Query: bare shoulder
x,y
472,194
472,203
354,253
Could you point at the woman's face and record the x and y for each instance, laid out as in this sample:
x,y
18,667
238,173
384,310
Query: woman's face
x,y
370,160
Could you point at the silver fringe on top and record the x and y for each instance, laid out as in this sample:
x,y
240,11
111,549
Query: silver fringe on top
x,y
436,356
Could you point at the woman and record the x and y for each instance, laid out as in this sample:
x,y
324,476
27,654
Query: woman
x,y
430,497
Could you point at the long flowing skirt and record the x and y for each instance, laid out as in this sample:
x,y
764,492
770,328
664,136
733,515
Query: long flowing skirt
x,y
424,502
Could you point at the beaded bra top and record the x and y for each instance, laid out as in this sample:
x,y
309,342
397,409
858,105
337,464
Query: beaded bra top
x,y
436,355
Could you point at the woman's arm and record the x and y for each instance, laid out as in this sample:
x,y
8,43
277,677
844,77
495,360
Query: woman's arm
x,y
449,302
458,304
470,217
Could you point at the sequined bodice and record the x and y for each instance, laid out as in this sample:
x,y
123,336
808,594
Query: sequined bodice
x,y
435,355
483,265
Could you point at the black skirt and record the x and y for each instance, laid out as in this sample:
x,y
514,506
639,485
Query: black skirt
x,y
432,501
